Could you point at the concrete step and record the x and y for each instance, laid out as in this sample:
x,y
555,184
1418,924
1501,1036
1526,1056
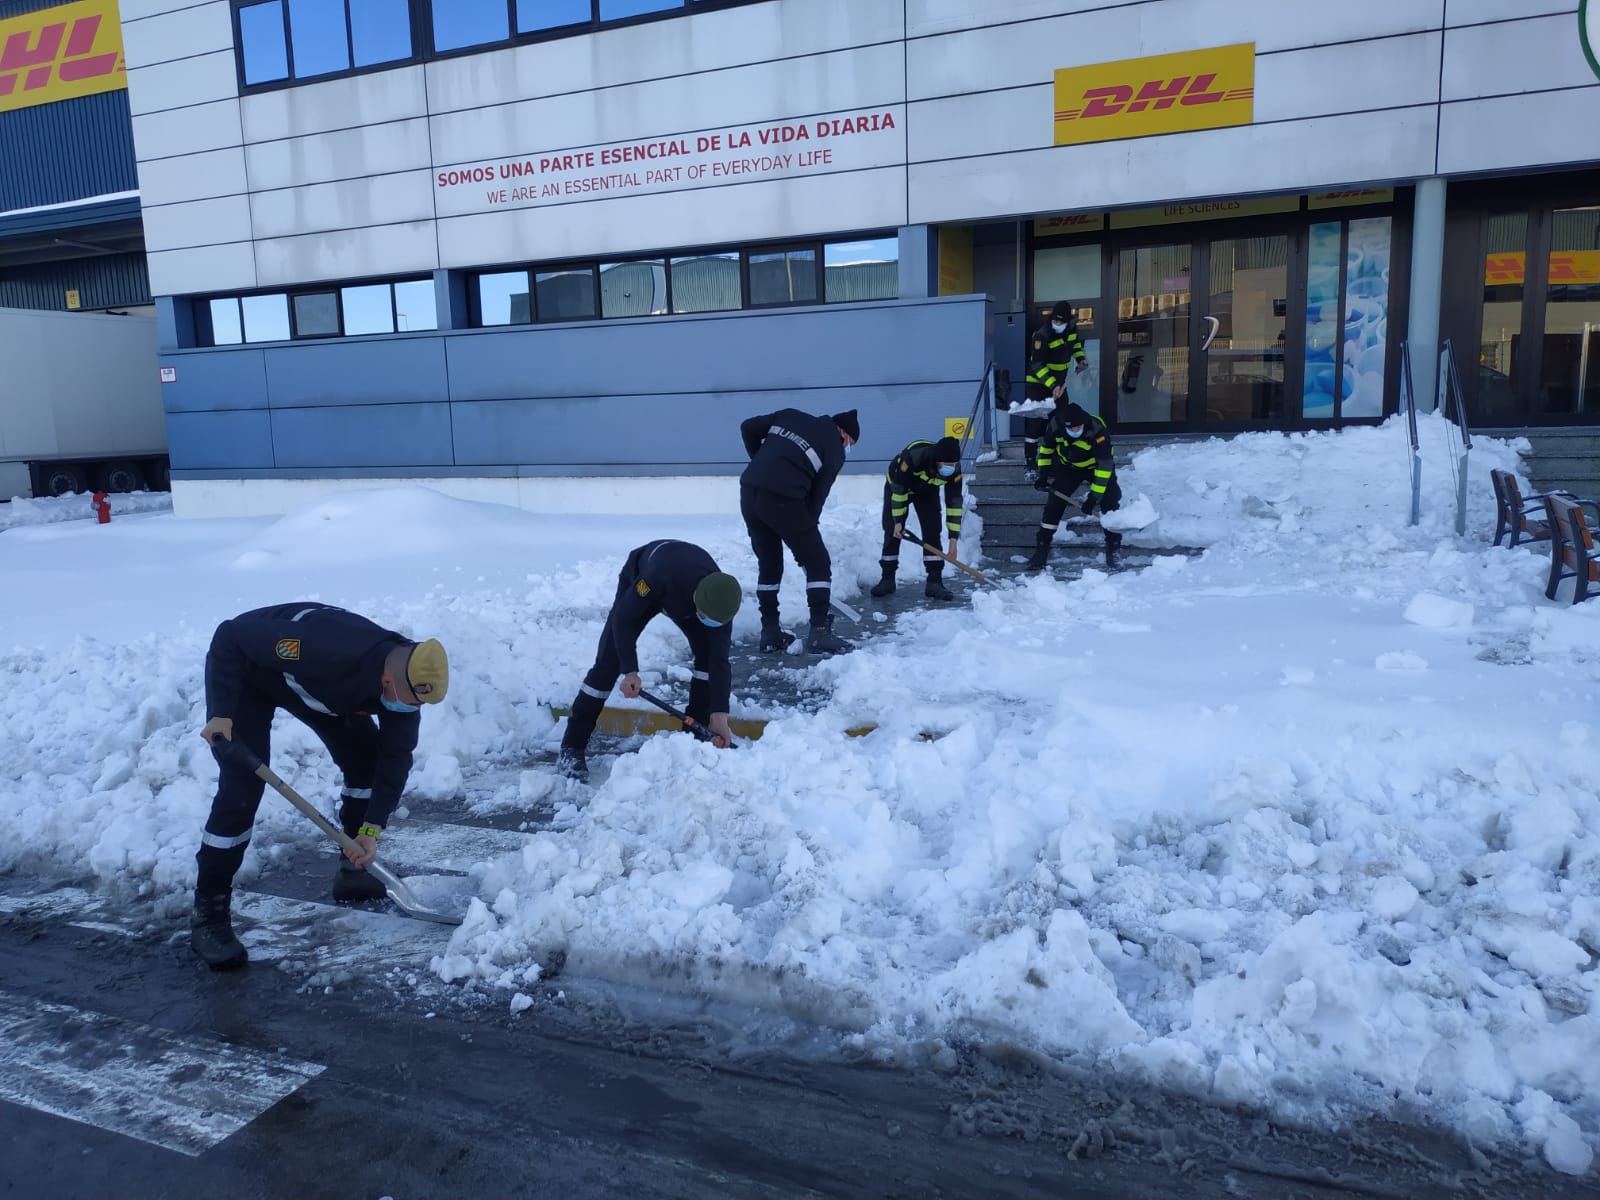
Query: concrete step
x,y
1588,488
1575,466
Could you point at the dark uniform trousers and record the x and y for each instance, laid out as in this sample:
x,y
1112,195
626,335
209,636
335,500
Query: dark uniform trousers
x,y
773,523
602,677
352,741
928,506
1064,480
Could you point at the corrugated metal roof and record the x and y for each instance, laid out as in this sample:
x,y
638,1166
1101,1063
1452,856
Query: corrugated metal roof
x,y
67,151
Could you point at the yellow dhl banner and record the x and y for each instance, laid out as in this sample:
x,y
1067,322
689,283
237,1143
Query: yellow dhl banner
x,y
1060,223
1567,268
60,53
1165,93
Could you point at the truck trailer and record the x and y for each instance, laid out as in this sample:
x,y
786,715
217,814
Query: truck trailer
x,y
80,404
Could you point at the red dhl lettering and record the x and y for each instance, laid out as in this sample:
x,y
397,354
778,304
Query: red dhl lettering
x,y
67,55
1153,94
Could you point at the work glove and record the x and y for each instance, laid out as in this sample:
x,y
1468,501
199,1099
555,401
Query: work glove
x,y
1090,503
1042,483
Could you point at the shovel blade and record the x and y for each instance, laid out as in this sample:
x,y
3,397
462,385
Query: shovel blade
x,y
402,895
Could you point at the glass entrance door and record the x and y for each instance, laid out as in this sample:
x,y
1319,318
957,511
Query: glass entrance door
x,y
1244,330
1154,315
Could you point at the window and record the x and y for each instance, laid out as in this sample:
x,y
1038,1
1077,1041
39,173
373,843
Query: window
x,y
262,41
502,298
1569,364
306,39
864,270
1504,268
415,306
458,23
616,10
633,289
565,294
266,318
360,308
368,309
783,276
225,327
534,15
706,283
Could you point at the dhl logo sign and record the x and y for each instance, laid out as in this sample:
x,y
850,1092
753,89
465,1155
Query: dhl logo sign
x,y
1165,93
1568,268
61,53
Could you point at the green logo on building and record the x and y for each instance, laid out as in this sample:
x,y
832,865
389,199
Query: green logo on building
x,y
1589,33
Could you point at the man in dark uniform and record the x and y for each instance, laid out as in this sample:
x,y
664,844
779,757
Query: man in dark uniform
x,y
334,671
682,581
794,459
915,477
1053,345
1077,452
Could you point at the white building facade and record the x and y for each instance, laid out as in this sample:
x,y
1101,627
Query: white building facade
x,y
535,250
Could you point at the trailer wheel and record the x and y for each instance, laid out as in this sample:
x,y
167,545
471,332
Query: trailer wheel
x,y
61,478
122,476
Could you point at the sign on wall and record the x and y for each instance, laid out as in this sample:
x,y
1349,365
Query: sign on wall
x,y
1063,223
1568,268
1589,32
677,162
61,53
1164,93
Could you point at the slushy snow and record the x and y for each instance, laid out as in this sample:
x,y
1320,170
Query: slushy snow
x,y
1307,822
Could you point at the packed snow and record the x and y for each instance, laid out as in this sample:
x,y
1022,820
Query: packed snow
x,y
1305,823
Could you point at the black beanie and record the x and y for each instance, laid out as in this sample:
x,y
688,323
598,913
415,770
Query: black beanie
x,y
1074,415
947,450
847,422
1062,311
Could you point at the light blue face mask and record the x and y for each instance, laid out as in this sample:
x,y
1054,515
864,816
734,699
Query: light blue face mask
x,y
396,706
947,469
1058,328
848,447
708,622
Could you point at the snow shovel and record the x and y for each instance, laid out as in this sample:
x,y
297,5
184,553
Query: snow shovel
x,y
956,562
397,888
700,731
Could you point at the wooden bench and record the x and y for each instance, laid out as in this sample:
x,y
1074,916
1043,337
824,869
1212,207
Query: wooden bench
x,y
1514,512
1572,552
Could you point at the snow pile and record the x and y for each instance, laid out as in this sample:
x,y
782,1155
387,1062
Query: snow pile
x,y
1307,822
78,506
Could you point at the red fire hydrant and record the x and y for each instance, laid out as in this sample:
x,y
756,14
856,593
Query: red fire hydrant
x,y
102,508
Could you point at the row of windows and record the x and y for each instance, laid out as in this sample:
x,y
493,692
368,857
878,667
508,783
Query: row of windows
x,y
396,307
709,281
282,41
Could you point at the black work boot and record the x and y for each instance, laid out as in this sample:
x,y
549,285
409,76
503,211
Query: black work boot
x,y
1041,549
572,763
775,639
1113,544
821,639
211,932
352,883
885,586
935,589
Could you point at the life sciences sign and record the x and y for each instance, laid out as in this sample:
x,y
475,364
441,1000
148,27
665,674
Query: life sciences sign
x,y
61,53
788,149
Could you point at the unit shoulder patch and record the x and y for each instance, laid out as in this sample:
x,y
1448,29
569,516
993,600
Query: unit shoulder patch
x,y
642,588
288,649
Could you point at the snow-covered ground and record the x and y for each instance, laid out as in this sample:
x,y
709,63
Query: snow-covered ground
x,y
1308,822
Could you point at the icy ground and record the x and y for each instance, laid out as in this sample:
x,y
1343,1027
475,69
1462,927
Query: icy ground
x,y
1306,823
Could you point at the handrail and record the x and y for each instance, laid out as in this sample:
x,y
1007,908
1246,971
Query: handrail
x,y
985,392
1409,407
1449,396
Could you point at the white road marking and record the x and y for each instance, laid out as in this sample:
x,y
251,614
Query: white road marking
x,y
180,1093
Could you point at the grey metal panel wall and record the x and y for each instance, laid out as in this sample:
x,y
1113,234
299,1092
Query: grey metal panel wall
x,y
599,398
68,150
219,439
393,370
836,346
112,281
216,380
368,435
600,430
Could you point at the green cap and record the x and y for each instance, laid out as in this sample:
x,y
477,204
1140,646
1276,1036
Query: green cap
x,y
718,596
